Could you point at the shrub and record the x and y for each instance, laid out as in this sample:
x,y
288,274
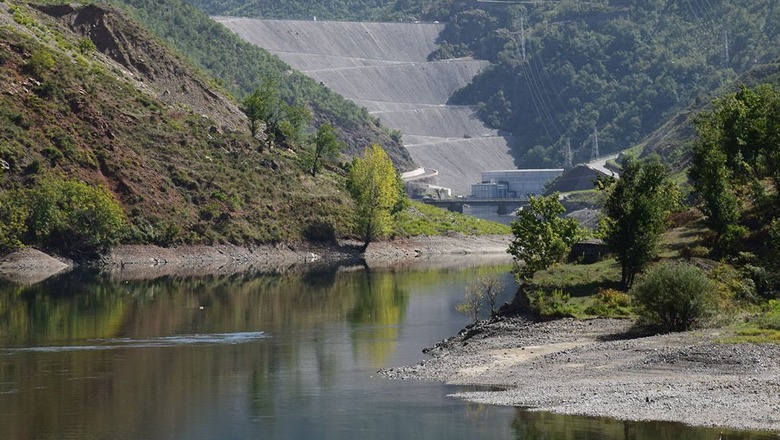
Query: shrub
x,y
13,216
73,217
472,304
770,320
610,302
40,63
554,304
674,296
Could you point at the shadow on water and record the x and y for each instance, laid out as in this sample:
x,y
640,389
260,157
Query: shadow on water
x,y
538,425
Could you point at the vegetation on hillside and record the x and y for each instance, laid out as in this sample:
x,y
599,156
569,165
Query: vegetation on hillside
x,y
727,231
344,10
69,114
241,67
571,71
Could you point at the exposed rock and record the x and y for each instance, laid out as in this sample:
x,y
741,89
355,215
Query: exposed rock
x,y
30,266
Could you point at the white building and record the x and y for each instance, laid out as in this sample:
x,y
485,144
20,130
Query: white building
x,y
519,184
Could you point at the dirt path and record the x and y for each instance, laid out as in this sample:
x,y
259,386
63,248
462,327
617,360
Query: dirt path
x,y
599,368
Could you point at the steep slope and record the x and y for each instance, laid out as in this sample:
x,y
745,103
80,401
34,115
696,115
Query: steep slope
x,y
240,68
90,96
383,67
672,140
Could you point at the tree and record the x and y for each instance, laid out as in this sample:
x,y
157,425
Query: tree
x,y
372,182
326,147
260,105
472,304
738,147
541,236
636,210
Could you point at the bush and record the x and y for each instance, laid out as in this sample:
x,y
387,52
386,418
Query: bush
x,y
73,217
610,302
553,304
674,296
770,320
40,63
12,221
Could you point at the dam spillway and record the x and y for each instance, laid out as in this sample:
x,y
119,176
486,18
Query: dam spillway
x,y
383,67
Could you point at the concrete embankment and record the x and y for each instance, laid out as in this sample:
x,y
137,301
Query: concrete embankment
x,y
383,67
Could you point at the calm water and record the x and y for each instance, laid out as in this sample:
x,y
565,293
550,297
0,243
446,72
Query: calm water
x,y
253,356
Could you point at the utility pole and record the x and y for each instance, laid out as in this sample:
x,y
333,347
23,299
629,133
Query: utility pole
x,y
594,153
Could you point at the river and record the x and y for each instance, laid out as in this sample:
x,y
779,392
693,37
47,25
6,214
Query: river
x,y
255,356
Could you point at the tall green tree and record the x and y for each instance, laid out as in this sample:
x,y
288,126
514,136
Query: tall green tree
x,y
372,182
738,147
262,105
635,215
326,147
541,237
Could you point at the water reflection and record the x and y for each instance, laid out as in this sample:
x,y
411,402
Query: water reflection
x,y
244,355
532,425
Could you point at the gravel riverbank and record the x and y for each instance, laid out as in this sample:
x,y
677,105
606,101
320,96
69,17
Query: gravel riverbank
x,y
146,261
602,368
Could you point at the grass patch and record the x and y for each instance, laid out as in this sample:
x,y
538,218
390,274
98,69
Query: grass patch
x,y
580,291
580,280
426,220
763,329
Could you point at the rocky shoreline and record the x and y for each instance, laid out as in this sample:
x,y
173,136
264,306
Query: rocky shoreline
x,y
603,367
29,266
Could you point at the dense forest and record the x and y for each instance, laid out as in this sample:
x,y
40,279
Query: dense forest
x,y
603,73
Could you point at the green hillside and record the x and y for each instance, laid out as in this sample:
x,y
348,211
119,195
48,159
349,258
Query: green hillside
x,y
241,67
565,70
108,136
106,109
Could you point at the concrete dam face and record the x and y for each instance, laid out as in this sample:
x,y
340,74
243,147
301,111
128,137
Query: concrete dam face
x,y
383,67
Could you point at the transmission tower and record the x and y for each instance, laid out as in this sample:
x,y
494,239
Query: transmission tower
x,y
522,37
594,152
567,159
726,59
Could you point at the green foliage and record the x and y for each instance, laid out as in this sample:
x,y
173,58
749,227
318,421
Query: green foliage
x,y
86,46
237,66
737,147
372,184
635,215
552,305
541,237
421,219
64,215
770,320
354,10
623,67
262,105
40,63
326,147
13,219
674,296
73,217
610,303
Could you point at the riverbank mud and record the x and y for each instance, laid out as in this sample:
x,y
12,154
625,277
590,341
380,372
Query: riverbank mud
x,y
603,367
